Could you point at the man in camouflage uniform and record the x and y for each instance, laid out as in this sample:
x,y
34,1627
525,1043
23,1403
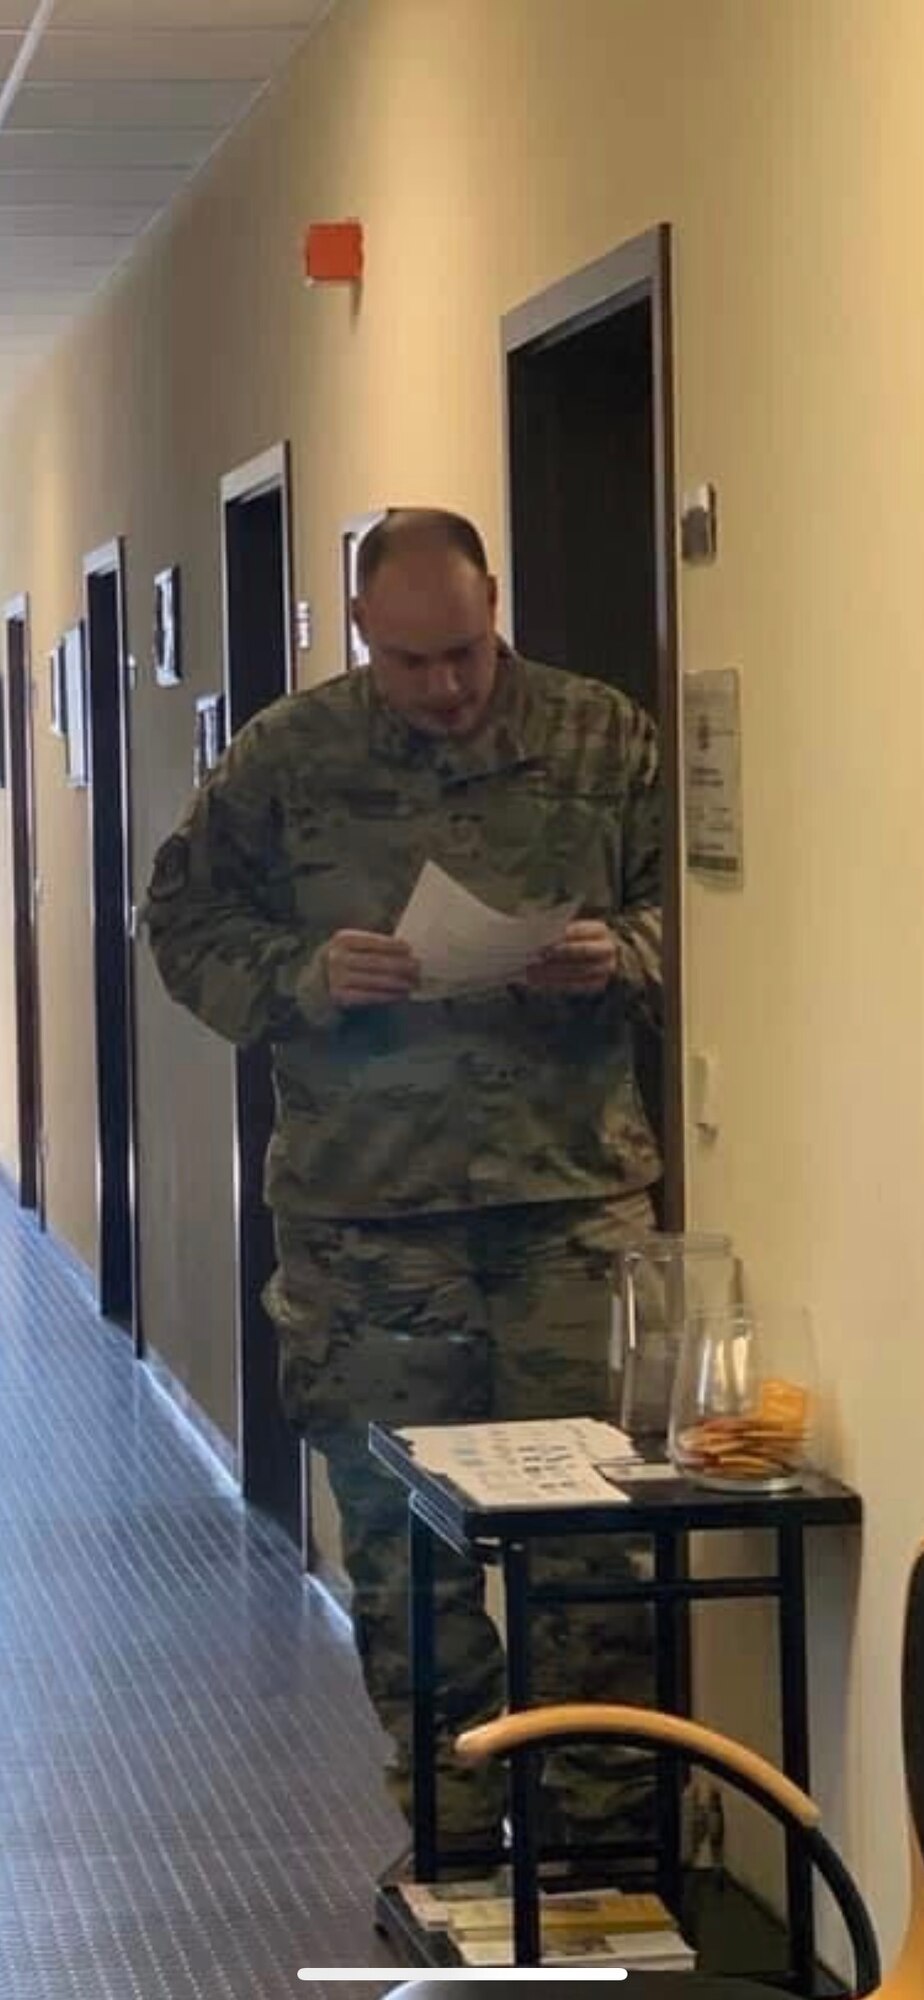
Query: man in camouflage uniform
x,y
450,1178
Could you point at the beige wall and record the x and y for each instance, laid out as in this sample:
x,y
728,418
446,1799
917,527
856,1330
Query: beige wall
x,y
490,150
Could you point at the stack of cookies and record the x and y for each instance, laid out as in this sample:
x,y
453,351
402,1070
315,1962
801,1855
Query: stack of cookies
x,y
764,1444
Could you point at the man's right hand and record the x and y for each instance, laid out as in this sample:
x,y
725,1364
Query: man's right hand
x,y
367,970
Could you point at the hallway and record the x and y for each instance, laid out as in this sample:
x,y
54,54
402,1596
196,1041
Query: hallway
x,y
190,1799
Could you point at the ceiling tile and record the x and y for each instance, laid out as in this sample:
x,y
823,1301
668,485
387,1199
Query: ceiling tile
x,y
145,54
10,45
105,149
300,14
113,118
108,219
41,255
151,187
32,315
21,339
25,295
177,105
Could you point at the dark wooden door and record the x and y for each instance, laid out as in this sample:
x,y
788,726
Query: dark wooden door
x,y
110,838
590,457
274,1463
31,1176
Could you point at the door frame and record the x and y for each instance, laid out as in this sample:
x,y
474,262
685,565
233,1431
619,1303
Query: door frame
x,y
270,471
109,560
31,1176
638,270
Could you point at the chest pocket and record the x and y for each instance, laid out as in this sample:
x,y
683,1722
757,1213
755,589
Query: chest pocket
x,y
355,858
537,841
513,837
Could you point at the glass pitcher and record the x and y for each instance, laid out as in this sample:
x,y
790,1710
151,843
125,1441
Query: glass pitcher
x,y
663,1279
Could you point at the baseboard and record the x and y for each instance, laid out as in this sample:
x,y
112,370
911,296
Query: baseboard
x,y
333,1581
64,1255
79,1273
204,1430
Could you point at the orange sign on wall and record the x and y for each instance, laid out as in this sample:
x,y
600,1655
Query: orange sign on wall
x,y
333,253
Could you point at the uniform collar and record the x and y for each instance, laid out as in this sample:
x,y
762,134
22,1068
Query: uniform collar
x,y
500,745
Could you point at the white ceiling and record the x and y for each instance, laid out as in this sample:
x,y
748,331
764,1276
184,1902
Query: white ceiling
x,y
103,119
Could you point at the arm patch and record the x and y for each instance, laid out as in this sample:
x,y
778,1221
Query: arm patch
x,y
171,869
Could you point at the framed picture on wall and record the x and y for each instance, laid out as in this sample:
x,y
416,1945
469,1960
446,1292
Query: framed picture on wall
x,y
77,759
355,651
57,693
209,739
168,666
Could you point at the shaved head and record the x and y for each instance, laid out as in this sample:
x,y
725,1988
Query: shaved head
x,y
405,529
426,609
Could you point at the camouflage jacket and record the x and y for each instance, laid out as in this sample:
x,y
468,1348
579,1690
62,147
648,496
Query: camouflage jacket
x,y
320,817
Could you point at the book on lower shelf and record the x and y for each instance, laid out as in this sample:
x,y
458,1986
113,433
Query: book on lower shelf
x,y
659,1951
578,1926
561,1910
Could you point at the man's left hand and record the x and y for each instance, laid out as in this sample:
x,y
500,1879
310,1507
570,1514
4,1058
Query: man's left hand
x,y
583,962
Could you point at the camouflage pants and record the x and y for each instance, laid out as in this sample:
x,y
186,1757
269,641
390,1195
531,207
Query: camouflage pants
x,y
501,1314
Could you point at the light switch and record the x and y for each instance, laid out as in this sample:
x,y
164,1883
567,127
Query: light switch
x,y
699,525
704,1091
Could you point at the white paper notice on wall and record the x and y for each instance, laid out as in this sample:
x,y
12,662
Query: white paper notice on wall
x,y
712,774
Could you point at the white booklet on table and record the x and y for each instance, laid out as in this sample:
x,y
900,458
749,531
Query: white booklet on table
x,y
553,1461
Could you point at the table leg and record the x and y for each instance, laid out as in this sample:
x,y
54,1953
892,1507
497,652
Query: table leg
x,y
670,1564
795,1722
527,1949
423,1683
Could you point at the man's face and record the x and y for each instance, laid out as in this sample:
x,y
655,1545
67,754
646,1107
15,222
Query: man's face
x,y
428,621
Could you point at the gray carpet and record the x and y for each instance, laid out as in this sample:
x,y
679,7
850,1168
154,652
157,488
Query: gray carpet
x,y
190,1793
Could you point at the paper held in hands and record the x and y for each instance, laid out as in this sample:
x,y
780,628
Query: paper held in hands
x,y
463,946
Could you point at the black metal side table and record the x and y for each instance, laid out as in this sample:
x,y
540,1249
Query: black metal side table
x,y
667,1510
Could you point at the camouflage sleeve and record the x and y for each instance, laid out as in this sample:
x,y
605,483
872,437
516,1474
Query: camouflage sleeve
x,y
638,927
221,913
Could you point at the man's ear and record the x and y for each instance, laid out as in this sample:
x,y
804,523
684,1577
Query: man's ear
x,y
492,597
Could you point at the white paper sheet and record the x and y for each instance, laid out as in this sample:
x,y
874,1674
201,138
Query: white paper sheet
x,y
462,945
552,1461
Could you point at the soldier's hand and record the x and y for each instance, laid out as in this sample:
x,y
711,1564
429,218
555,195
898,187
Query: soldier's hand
x,y
583,962
365,969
